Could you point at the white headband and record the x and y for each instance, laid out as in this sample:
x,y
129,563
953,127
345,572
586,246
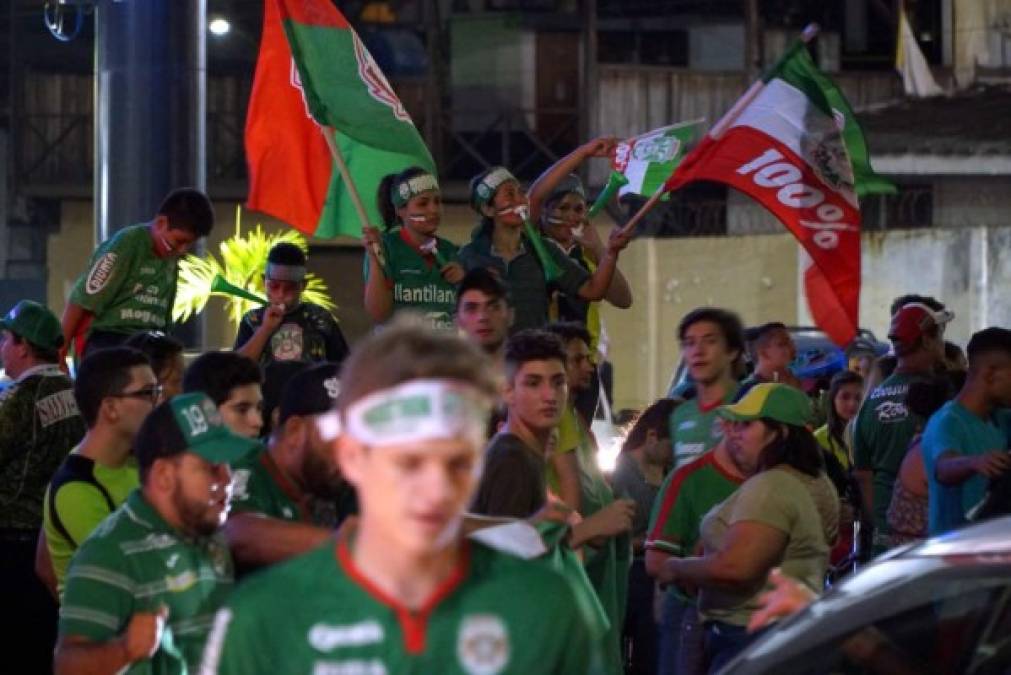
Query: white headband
x,y
419,410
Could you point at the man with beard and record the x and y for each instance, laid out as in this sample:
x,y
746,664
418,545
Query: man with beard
x,y
403,590
142,590
278,491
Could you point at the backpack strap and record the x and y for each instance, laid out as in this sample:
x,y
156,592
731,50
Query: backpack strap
x,y
75,469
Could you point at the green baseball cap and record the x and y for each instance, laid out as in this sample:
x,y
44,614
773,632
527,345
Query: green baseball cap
x,y
189,423
35,323
771,401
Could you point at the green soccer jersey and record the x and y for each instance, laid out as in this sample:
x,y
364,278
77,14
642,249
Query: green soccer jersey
x,y
259,486
881,435
694,429
417,282
127,287
135,562
319,613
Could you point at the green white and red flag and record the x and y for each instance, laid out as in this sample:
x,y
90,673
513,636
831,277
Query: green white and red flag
x,y
313,71
647,160
793,145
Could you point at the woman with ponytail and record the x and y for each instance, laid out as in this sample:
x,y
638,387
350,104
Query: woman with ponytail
x,y
421,269
520,256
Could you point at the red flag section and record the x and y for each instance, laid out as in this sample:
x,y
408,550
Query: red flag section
x,y
289,162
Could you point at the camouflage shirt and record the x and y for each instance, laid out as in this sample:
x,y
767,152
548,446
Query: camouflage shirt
x,y
39,425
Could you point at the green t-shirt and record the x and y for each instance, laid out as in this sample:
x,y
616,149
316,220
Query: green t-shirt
x,y
318,613
39,425
803,508
882,432
259,486
80,506
135,562
127,287
693,429
418,284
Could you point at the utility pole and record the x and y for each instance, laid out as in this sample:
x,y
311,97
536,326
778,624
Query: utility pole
x,y
588,94
434,79
753,47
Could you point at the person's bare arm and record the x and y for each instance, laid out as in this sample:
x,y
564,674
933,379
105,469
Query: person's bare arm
x,y
954,469
378,291
749,551
254,346
256,540
76,655
655,560
566,466
73,317
618,293
44,566
610,521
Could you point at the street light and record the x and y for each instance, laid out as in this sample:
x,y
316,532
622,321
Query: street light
x,y
219,26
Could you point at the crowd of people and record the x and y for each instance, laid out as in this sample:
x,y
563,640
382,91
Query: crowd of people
x,y
429,499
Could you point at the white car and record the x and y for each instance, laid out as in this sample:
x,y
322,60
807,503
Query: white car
x,y
940,607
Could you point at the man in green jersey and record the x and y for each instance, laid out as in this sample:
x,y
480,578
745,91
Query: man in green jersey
x,y
685,497
277,492
142,590
402,591
289,328
884,426
39,424
712,342
130,284
115,389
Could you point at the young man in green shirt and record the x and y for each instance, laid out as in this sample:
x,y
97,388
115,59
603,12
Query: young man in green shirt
x,y
884,426
278,490
234,383
142,590
289,328
130,284
403,591
712,344
115,390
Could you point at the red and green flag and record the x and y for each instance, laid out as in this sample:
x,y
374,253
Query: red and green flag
x,y
794,146
313,71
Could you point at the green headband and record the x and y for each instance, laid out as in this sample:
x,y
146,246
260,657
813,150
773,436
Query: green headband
x,y
485,190
403,191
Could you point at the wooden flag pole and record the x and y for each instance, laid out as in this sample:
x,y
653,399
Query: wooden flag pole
x,y
356,199
810,31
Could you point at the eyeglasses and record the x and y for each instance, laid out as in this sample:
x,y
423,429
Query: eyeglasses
x,y
152,393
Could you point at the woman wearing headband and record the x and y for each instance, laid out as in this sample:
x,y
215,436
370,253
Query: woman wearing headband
x,y
500,244
421,269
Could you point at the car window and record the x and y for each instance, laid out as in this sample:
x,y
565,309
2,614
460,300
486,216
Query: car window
x,y
945,626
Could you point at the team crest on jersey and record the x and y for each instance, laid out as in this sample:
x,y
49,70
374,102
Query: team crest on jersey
x,y
240,484
482,645
100,273
378,87
220,560
286,343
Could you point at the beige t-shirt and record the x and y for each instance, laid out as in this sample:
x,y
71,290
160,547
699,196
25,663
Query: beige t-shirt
x,y
806,509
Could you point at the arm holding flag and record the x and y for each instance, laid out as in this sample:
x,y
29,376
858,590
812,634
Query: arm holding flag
x,y
545,184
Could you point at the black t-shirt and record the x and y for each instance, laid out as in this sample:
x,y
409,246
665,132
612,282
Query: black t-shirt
x,y
513,484
308,333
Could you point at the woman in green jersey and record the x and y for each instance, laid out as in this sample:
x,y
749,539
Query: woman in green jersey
x,y
420,270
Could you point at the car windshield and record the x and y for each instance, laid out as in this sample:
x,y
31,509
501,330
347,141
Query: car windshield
x,y
910,616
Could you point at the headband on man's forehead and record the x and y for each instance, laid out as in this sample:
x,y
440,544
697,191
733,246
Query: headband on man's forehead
x,y
403,191
279,272
485,190
419,410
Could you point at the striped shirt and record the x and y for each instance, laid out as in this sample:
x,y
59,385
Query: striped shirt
x,y
135,562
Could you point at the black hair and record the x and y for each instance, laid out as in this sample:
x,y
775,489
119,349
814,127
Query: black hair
x,y
903,300
104,373
759,334
532,344
952,352
41,354
286,253
797,447
484,280
886,365
728,322
654,418
569,331
188,209
218,373
837,425
159,348
157,434
925,397
987,341
384,202
276,376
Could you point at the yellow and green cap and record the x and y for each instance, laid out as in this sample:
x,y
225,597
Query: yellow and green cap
x,y
770,401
